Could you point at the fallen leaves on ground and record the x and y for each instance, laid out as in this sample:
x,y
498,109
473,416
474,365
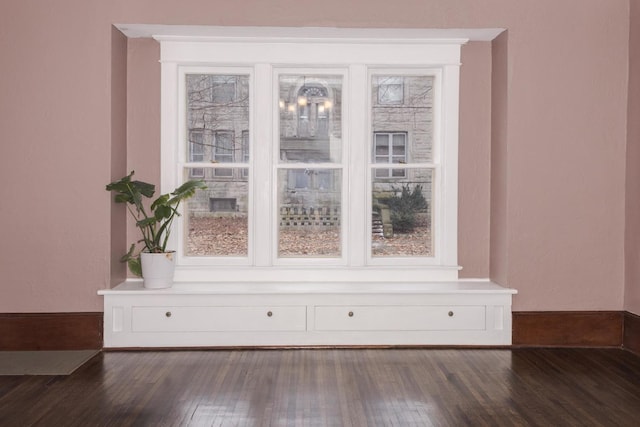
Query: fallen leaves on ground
x,y
228,236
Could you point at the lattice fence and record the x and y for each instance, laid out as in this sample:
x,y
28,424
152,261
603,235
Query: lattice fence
x,y
300,216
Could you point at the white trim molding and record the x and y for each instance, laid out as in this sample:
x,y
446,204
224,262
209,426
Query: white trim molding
x,y
367,35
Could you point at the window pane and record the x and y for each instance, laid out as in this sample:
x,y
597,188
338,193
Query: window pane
x,y
217,117
223,147
401,213
309,212
223,151
383,155
217,218
382,146
409,117
223,89
196,152
399,144
310,118
390,89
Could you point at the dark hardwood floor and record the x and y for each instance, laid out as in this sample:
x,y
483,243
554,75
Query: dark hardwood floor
x,y
334,387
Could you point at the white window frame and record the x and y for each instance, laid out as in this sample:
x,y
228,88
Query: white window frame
x,y
358,54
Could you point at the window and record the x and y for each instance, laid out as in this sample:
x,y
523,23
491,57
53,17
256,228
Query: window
x,y
337,160
390,90
245,152
223,89
223,151
390,148
222,205
196,152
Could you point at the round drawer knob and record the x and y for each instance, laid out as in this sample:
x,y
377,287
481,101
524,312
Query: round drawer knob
x,y
351,314
269,313
168,314
451,314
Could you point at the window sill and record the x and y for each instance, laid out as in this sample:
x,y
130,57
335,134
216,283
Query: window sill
x,y
462,287
300,273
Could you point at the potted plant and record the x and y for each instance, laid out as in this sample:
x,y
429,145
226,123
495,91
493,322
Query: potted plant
x,y
153,262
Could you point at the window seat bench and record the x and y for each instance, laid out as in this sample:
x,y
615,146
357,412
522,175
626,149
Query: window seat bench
x,y
270,314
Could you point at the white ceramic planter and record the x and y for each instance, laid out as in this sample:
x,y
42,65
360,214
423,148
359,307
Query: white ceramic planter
x,y
158,269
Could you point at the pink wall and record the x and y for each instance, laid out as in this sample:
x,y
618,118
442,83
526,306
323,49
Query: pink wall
x,y
474,160
118,151
565,154
55,109
632,243
499,249
143,115
562,162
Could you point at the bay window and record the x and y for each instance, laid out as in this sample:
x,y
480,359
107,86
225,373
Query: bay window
x,y
332,158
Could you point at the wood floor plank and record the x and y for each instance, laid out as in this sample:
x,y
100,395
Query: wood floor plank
x,y
334,387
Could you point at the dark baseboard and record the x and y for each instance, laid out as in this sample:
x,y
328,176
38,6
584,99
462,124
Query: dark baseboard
x,y
568,328
50,331
631,340
83,331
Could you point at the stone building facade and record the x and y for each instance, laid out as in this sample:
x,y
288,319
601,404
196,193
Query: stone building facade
x,y
310,125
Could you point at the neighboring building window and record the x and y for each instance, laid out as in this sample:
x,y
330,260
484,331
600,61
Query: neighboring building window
x,y
223,152
390,147
222,205
390,90
321,175
245,152
196,152
223,89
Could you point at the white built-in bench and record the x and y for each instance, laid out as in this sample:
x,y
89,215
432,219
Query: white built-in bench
x,y
307,314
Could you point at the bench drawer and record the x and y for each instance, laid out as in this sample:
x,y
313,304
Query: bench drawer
x,y
217,319
399,318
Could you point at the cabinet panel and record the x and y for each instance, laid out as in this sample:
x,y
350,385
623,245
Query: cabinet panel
x,y
217,319
399,318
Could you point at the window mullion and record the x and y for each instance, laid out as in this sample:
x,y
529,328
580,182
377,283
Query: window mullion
x,y
262,148
359,199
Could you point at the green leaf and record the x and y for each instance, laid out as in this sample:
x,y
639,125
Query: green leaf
x,y
123,198
120,185
144,188
146,222
133,261
160,201
186,190
134,266
126,257
163,212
